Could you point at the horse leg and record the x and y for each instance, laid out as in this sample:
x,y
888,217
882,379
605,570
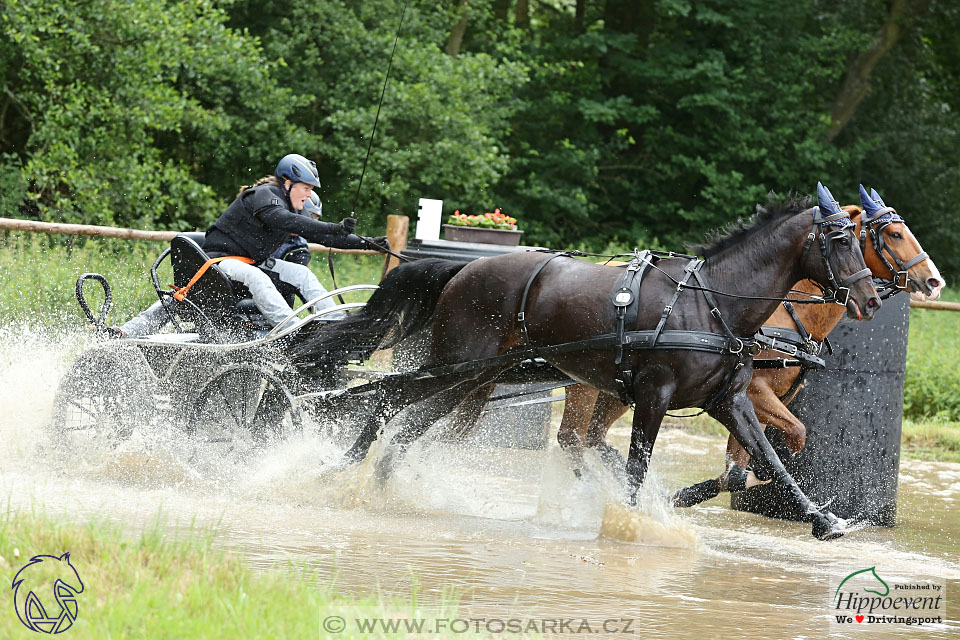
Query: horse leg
x,y
606,411
418,422
468,413
572,434
372,412
736,413
737,477
647,417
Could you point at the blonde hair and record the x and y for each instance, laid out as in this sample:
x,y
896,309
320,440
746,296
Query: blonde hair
x,y
264,180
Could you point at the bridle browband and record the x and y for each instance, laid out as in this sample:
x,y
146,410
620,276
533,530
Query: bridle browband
x,y
840,289
874,224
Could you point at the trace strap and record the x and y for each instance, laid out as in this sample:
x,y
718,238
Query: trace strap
x,y
799,345
182,292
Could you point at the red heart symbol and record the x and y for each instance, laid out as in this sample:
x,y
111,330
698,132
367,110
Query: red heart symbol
x,y
859,618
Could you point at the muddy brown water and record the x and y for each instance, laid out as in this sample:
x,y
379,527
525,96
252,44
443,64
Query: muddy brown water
x,y
512,531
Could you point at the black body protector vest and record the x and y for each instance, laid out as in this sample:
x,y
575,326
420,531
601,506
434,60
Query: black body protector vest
x,y
246,234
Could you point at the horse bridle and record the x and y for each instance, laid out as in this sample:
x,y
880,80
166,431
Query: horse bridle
x,y
840,289
874,224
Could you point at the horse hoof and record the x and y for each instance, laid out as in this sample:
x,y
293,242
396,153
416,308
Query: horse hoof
x,y
694,495
827,526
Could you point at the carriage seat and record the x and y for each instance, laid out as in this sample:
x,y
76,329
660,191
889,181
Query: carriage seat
x,y
214,290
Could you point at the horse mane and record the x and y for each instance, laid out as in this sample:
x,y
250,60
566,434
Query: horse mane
x,y
734,233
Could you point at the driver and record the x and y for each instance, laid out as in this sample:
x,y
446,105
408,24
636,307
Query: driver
x,y
253,227
294,248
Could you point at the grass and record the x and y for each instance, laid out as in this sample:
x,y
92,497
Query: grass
x,y
160,585
931,440
933,377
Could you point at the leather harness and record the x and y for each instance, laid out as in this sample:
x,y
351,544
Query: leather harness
x,y
625,300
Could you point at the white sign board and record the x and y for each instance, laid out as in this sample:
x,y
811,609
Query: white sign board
x,y
429,218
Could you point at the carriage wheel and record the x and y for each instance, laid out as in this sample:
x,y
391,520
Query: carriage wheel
x,y
243,407
104,396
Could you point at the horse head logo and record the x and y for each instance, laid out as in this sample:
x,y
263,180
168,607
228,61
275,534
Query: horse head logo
x,y
869,578
46,576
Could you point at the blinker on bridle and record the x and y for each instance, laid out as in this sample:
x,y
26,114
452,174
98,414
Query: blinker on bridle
x,y
821,222
875,218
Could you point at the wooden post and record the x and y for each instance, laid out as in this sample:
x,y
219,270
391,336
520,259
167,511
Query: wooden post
x,y
397,229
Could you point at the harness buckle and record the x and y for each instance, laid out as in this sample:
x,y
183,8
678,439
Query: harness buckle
x,y
521,317
715,312
668,309
790,353
841,296
897,280
755,349
739,344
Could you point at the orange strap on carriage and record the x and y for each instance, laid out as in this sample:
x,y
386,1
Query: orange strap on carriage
x,y
182,292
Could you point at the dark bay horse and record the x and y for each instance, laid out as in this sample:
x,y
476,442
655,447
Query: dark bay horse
x,y
589,413
476,327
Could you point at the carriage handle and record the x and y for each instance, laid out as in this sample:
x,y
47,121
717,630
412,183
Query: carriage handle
x,y
101,319
276,335
336,292
231,346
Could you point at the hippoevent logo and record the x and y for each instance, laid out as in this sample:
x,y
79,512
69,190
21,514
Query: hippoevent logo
x,y
45,594
865,600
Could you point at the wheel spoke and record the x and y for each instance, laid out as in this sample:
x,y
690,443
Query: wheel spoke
x,y
242,408
239,418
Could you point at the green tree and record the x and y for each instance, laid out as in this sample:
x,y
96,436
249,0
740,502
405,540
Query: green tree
x,y
141,114
444,119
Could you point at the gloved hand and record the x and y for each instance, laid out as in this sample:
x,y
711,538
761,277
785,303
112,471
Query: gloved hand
x,y
349,225
379,243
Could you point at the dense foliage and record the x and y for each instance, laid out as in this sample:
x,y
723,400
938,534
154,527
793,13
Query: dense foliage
x,y
596,123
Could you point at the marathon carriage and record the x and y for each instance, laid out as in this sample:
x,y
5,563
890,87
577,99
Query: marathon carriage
x,y
219,372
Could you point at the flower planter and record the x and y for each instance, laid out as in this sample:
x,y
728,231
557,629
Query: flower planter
x,y
507,237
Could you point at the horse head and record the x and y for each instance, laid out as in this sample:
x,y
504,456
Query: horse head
x,y
893,252
841,265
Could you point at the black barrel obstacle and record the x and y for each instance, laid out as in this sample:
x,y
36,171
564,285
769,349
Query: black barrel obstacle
x,y
853,411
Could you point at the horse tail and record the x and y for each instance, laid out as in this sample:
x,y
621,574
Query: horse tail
x,y
401,306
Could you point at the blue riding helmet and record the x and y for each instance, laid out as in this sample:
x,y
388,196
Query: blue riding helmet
x,y
296,168
313,206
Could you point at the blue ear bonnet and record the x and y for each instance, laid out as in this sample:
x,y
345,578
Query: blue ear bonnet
x,y
874,210
828,211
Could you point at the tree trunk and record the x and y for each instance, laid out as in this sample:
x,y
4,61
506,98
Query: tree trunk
x,y
631,16
578,17
856,84
501,9
523,14
455,41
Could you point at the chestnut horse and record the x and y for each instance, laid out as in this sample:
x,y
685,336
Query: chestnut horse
x,y
588,413
492,313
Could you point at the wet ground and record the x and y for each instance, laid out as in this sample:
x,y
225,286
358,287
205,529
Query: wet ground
x,y
511,530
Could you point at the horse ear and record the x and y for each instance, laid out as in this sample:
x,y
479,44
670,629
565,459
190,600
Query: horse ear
x,y
873,207
66,557
865,201
828,204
